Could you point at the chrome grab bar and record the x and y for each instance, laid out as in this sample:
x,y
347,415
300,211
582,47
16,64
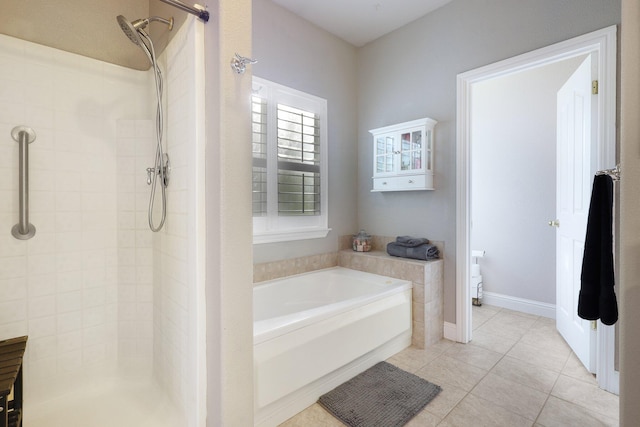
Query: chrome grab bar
x,y
24,136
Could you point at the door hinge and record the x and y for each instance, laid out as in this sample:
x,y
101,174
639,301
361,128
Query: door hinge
x,y
594,87
594,325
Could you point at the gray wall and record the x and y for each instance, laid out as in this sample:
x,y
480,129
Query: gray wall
x,y
411,73
293,52
513,176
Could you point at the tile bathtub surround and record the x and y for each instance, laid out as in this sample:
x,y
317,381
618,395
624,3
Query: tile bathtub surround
x,y
426,276
489,382
289,267
379,243
428,307
428,288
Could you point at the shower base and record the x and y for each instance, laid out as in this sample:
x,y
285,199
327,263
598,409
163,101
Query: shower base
x,y
119,403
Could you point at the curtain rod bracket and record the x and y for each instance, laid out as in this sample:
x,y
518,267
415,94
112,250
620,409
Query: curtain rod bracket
x,y
197,10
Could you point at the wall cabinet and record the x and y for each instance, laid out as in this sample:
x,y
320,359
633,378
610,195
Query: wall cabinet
x,y
403,156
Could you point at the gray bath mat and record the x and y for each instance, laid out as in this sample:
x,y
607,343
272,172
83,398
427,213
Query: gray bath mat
x,y
381,396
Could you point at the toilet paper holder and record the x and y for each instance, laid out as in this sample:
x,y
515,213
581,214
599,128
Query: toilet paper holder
x,y
476,278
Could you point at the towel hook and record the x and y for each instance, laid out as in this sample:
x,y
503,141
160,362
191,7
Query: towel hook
x,y
614,173
239,63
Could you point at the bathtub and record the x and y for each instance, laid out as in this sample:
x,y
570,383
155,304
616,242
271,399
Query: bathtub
x,y
314,331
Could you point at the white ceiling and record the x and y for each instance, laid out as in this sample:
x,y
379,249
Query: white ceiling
x,y
360,21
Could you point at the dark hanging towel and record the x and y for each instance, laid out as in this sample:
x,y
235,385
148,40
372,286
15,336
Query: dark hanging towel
x,y
597,298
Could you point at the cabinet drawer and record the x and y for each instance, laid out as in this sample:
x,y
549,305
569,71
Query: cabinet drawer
x,y
403,183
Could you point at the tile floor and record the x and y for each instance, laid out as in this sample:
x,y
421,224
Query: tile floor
x,y
517,371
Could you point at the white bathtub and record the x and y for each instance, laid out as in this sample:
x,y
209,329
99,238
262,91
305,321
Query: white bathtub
x,y
314,331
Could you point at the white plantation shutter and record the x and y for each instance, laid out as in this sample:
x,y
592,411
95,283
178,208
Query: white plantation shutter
x,y
259,142
298,162
289,163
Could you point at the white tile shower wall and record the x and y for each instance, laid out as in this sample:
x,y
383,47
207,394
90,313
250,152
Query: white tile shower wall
x,y
136,150
174,246
60,287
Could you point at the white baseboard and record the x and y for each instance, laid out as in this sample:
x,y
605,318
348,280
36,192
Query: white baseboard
x,y
450,331
519,304
537,308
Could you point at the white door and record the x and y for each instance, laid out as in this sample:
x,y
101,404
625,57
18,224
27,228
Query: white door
x,y
574,172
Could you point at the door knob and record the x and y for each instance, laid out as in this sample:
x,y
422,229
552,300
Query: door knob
x,y
554,223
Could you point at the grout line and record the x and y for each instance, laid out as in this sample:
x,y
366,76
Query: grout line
x,y
442,352
542,407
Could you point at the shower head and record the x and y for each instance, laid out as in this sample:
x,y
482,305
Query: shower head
x,y
131,29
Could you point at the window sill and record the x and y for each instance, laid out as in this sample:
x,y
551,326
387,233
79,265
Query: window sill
x,y
287,236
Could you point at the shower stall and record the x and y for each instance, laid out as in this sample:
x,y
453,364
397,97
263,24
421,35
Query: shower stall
x,y
113,311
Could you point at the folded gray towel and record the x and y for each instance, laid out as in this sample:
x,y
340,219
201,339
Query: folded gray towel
x,y
425,252
411,242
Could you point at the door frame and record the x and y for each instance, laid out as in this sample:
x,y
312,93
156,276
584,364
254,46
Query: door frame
x,y
604,42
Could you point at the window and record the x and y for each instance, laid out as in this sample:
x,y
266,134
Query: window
x,y
289,163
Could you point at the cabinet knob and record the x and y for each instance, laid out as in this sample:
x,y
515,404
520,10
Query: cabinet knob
x,y
384,183
410,181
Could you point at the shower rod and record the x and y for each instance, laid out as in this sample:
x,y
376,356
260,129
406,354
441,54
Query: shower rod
x,y
200,13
